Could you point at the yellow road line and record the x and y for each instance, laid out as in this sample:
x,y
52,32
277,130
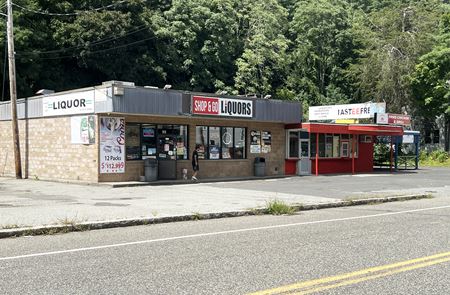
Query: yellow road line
x,y
367,278
367,271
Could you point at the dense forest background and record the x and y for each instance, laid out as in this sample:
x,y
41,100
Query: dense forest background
x,y
316,51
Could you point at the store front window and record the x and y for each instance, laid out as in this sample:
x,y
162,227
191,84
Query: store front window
x,y
333,145
221,142
144,141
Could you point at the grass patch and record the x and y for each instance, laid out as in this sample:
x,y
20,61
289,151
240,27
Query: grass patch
x,y
10,226
438,158
197,216
277,207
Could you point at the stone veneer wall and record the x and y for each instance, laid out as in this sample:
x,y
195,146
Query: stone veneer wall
x,y
47,152
275,160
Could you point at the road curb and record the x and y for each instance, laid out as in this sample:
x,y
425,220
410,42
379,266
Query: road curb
x,y
94,225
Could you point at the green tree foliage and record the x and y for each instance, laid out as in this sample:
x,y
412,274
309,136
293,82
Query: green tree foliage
x,y
431,79
317,51
393,39
265,44
323,47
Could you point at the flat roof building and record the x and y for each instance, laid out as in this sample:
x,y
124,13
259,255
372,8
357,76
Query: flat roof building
x,y
106,133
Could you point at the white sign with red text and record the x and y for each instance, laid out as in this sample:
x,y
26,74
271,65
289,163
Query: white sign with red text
x,y
112,145
215,106
346,111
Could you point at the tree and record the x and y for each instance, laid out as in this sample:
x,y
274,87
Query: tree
x,y
323,48
431,80
393,39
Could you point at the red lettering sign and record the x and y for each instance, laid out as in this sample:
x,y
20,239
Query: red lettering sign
x,y
205,105
396,119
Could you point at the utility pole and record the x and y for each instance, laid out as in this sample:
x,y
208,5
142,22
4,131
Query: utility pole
x,y
13,92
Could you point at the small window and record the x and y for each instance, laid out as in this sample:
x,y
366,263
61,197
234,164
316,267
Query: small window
x,y
293,144
345,150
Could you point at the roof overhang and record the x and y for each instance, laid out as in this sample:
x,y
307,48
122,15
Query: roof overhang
x,y
370,129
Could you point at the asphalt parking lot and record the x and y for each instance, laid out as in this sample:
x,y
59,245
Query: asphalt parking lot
x,y
26,203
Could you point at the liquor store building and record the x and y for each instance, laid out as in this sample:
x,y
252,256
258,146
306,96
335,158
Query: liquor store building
x,y
106,133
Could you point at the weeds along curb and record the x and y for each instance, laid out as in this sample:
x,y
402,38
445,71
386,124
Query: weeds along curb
x,y
85,226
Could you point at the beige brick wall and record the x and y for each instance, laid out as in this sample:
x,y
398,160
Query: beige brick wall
x,y
212,168
49,155
47,152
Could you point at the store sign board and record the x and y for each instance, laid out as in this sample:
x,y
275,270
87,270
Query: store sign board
x,y
408,138
68,104
112,145
346,111
393,119
216,106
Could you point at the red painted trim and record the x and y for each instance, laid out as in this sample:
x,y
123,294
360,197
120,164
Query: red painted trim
x,y
317,154
353,155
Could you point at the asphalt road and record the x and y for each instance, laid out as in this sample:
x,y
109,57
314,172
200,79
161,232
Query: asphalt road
x,y
344,186
331,251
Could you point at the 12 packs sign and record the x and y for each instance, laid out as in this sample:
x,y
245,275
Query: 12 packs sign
x,y
215,106
112,145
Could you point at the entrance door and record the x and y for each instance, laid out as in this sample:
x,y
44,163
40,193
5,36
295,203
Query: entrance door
x,y
304,164
166,150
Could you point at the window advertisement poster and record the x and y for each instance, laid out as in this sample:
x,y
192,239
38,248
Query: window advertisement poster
x,y
255,142
148,132
112,145
214,152
266,143
82,129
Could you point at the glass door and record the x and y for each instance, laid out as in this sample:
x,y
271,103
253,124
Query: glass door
x,y
304,166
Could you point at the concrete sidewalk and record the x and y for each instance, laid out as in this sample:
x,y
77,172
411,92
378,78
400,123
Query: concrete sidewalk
x,y
31,203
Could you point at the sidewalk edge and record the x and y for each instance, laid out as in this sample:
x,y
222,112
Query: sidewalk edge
x,y
94,225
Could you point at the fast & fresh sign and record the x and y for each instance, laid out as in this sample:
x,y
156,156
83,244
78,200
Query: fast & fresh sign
x,y
346,111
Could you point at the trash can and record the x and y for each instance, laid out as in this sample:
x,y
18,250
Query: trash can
x,y
151,169
260,166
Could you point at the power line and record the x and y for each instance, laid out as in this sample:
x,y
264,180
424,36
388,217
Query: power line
x,y
93,43
69,14
98,51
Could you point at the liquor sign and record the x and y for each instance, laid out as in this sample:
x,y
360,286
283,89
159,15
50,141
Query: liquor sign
x,y
112,145
346,111
393,119
215,106
68,104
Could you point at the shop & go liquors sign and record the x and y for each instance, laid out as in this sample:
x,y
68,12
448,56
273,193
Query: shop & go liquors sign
x,y
224,107
346,111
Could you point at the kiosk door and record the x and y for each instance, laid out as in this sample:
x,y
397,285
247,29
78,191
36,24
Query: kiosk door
x,y
304,164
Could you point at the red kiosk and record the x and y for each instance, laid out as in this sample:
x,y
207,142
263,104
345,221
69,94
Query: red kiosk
x,y
330,148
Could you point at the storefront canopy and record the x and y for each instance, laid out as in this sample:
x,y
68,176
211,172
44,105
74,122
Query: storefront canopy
x,y
376,130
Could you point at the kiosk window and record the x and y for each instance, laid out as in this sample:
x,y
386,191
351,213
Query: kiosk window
x,y
332,145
